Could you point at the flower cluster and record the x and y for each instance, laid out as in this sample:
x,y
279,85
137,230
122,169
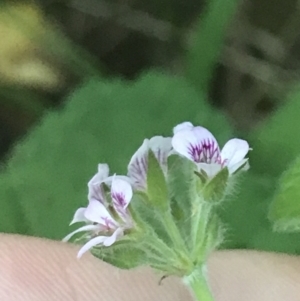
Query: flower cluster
x,y
107,217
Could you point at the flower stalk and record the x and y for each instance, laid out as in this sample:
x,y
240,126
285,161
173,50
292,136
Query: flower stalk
x,y
162,213
198,284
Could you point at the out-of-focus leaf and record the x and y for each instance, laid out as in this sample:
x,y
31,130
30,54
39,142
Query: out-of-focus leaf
x,y
276,144
209,39
101,122
245,212
285,208
270,241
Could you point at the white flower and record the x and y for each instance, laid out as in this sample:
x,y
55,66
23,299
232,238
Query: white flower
x,y
138,166
199,145
94,185
102,228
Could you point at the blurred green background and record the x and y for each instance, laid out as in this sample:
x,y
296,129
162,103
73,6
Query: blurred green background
x,y
83,82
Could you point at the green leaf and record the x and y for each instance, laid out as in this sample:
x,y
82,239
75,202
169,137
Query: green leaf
x,y
124,256
148,218
157,189
268,240
285,209
181,183
275,143
210,235
210,35
215,190
244,211
44,182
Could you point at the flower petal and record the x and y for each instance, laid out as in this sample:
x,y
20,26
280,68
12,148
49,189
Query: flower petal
x,y
233,168
183,126
111,239
81,229
103,172
79,216
94,185
197,144
234,151
121,193
97,213
161,147
108,181
90,244
210,169
137,168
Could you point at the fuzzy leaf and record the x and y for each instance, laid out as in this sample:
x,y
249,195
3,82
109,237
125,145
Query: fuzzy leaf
x,y
156,184
147,218
181,183
214,191
244,211
123,257
285,208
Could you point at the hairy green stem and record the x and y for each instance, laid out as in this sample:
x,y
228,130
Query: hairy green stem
x,y
174,232
197,283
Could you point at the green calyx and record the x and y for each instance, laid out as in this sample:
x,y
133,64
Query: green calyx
x,y
176,226
214,190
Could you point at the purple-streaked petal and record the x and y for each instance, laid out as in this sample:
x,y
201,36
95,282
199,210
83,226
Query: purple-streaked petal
x,y
210,169
137,168
79,216
82,229
161,147
90,244
121,193
197,144
96,193
183,126
94,185
234,151
97,213
111,239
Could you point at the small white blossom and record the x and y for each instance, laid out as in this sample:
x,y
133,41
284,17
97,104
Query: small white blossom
x,y
138,166
200,146
101,227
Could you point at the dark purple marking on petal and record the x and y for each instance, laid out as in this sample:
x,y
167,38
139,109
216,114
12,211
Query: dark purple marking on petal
x,y
120,204
119,199
138,172
108,223
207,151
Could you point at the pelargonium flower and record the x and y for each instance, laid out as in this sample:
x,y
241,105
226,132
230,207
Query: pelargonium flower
x,y
94,185
104,223
138,166
199,145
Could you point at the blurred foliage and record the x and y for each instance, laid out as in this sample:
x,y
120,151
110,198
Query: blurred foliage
x,y
20,25
207,45
102,122
105,119
275,141
285,208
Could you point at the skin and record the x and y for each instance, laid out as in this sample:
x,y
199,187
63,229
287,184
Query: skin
x,y
38,270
